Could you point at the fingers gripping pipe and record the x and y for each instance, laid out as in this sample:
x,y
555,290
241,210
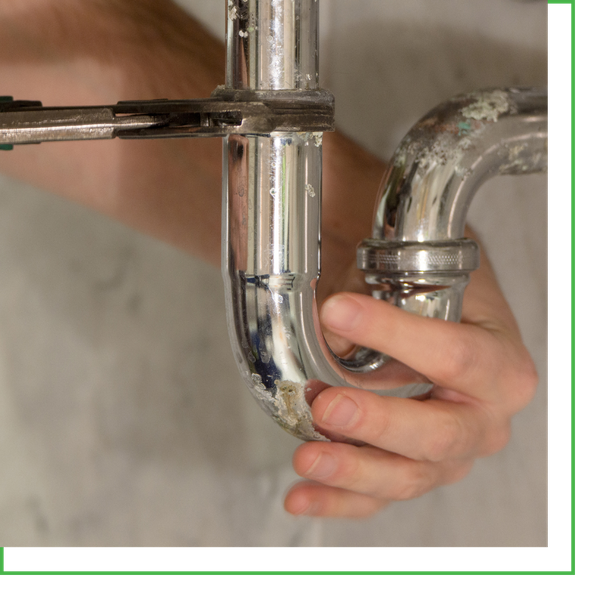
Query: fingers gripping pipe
x,y
272,207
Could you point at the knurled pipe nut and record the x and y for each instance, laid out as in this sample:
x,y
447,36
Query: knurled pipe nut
x,y
451,256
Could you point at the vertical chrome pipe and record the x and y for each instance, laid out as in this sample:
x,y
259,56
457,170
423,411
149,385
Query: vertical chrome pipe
x,y
272,44
272,194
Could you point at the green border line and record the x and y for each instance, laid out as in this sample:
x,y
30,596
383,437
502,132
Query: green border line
x,y
572,300
571,572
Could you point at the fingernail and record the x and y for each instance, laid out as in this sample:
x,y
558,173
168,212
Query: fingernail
x,y
311,509
341,312
299,506
340,412
323,467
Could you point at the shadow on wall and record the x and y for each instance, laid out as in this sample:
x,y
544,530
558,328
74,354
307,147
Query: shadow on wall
x,y
393,74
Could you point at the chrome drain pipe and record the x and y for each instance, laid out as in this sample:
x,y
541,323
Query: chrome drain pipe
x,y
272,206
418,257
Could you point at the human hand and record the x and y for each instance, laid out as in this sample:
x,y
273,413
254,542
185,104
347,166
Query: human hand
x,y
482,376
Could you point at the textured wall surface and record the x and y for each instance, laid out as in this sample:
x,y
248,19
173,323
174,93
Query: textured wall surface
x,y
122,417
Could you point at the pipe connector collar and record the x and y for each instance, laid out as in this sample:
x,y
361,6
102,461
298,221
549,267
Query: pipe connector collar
x,y
393,257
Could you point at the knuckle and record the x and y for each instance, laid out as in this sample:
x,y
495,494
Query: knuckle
x,y
349,474
443,438
520,378
497,439
527,382
521,383
414,484
378,425
373,508
460,360
459,472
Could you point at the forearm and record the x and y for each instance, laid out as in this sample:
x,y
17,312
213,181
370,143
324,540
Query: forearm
x,y
102,51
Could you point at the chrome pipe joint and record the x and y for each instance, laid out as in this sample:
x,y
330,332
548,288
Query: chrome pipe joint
x,y
417,257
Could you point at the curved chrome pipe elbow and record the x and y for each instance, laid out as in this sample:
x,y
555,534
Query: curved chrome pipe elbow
x,y
425,195
271,227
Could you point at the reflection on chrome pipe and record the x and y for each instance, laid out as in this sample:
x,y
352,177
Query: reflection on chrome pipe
x,y
272,208
272,44
451,151
271,268
426,193
271,229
